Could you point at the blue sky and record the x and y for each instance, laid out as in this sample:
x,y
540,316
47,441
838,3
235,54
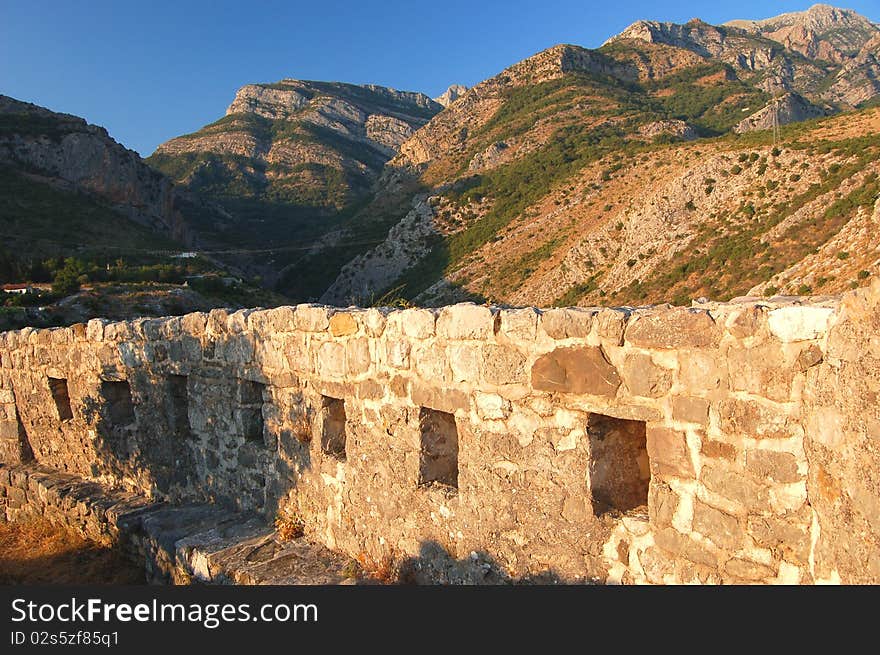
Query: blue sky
x,y
149,71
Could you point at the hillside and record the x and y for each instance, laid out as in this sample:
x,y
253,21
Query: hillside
x,y
77,209
635,173
290,160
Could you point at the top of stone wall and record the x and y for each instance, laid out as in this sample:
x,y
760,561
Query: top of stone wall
x,y
788,319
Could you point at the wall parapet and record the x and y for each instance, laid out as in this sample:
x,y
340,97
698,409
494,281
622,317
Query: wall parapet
x,y
657,444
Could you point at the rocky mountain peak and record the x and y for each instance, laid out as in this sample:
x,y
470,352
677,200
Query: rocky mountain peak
x,y
453,93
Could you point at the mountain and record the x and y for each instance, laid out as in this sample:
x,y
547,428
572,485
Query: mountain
x,y
450,95
574,176
288,158
79,209
41,147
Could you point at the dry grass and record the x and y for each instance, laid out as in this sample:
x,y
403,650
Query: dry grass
x,y
37,552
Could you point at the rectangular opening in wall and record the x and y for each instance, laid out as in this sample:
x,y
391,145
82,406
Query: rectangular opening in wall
x,y
333,427
179,395
251,399
120,408
619,469
61,396
438,461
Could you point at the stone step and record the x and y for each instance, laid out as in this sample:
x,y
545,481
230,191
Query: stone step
x,y
178,544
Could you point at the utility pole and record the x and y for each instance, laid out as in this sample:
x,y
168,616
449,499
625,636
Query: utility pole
x,y
776,136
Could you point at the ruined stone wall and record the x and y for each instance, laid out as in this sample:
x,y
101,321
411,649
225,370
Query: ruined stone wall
x,y
722,443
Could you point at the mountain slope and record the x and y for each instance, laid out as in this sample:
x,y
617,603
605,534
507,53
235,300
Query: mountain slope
x,y
566,178
288,157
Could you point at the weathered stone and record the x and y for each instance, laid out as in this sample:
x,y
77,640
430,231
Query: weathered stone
x,y
747,322
610,325
668,452
503,365
466,360
748,570
719,449
789,535
799,322
720,528
519,323
579,370
809,357
491,406
397,353
736,487
567,323
417,323
644,378
675,542
444,400
674,328
827,426
312,318
762,370
662,504
749,418
465,321
770,465
342,324
690,409
331,359
699,371
358,358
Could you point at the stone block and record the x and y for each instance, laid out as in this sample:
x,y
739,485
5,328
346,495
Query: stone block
x,y
331,359
503,365
357,356
749,418
342,324
718,449
374,322
312,318
800,322
491,406
773,466
700,371
678,327
519,323
397,353
690,409
465,321
668,452
748,570
567,323
465,359
763,370
439,398
577,370
417,323
610,325
645,378
748,322
736,487
674,542
430,363
662,504
721,529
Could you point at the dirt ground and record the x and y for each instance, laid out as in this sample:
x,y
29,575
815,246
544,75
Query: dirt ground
x,y
37,552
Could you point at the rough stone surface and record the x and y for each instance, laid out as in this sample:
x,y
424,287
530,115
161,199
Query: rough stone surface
x,y
599,449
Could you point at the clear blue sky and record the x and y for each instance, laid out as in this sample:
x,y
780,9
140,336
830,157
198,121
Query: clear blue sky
x,y
149,71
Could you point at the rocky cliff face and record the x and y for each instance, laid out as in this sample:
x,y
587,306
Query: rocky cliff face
x,y
822,32
453,93
789,108
73,154
315,144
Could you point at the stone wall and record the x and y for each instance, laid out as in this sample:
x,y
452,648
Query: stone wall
x,y
721,443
